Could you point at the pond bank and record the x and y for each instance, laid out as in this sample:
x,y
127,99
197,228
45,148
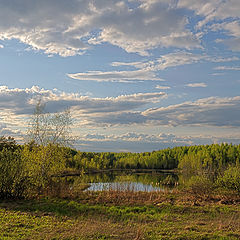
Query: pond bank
x,y
95,171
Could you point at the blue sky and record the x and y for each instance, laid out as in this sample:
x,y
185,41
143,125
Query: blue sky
x,y
137,75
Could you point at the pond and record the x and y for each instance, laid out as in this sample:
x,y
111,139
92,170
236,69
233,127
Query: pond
x,y
126,181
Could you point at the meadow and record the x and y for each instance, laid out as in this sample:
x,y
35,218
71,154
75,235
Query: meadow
x,y
121,215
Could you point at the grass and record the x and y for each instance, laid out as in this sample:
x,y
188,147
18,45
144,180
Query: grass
x,y
115,215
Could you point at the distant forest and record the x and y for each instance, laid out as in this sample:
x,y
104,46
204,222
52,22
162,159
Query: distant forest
x,y
202,157
199,157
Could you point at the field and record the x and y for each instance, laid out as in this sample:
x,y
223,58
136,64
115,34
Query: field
x,y
126,215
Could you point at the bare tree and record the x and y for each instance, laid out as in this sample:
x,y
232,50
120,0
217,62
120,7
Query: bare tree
x,y
50,128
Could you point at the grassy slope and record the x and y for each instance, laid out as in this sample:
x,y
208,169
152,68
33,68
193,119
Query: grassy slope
x,y
101,216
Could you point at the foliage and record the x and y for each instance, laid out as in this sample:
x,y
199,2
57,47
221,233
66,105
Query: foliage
x,y
200,185
42,162
230,179
14,181
210,159
8,143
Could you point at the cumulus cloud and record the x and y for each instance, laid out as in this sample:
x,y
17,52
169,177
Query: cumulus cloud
x,y
217,112
226,9
124,109
133,136
130,141
142,142
1,46
232,30
225,13
151,24
23,101
72,27
214,9
16,105
69,28
193,85
208,111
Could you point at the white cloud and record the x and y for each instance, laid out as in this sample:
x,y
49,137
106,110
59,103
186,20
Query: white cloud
x,y
227,68
207,111
227,59
152,97
137,65
178,59
214,9
148,26
217,74
10,132
141,142
68,28
183,58
116,76
232,30
16,105
72,27
147,70
131,136
1,46
162,87
217,112
228,9
193,85
22,101
223,15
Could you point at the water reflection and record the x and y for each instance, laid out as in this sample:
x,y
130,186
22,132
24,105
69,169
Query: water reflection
x,y
124,186
147,182
73,186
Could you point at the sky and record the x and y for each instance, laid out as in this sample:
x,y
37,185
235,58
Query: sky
x,y
137,75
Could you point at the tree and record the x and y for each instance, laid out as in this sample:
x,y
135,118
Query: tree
x,y
8,143
48,135
13,171
50,128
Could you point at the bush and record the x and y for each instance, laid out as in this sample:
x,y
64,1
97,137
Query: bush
x,y
200,185
13,179
43,162
230,180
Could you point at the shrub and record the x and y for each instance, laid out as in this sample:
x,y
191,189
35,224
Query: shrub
x,y
43,162
200,185
13,179
230,179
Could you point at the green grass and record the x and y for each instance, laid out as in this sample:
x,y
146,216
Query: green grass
x,y
81,219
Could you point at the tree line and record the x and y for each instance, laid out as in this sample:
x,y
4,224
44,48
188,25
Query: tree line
x,y
197,158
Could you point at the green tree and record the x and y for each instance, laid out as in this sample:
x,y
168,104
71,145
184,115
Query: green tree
x,y
14,181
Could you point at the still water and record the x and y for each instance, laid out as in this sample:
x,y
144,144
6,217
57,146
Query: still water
x,y
147,182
